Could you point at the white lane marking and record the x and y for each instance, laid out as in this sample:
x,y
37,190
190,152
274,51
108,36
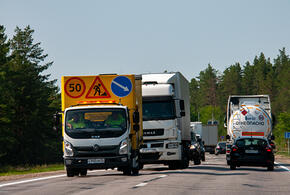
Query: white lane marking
x,y
31,180
283,167
40,179
141,184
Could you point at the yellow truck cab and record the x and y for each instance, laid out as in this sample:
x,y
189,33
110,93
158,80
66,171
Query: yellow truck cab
x,y
101,123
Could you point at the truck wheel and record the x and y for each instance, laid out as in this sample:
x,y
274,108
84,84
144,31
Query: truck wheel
x,y
135,171
270,168
197,161
172,165
70,172
233,167
127,171
83,172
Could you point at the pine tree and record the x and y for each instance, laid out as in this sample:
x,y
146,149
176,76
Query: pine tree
x,y
29,100
230,84
208,82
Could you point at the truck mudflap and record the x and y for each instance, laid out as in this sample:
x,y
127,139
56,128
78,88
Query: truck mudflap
x,y
96,163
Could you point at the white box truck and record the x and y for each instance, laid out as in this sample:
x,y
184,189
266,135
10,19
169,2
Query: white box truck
x,y
166,120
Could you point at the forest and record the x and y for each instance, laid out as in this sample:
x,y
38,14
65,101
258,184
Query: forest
x,y
29,99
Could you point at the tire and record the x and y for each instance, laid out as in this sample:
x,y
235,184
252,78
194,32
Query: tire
x,y
127,171
135,171
233,167
197,161
70,172
141,166
83,172
270,168
172,165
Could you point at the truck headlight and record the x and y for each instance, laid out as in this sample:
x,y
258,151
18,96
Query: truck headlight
x,y
68,149
172,145
123,147
192,147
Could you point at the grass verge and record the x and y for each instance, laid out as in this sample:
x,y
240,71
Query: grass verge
x,y
9,170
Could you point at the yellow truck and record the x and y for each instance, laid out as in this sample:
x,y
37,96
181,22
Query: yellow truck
x,y
101,123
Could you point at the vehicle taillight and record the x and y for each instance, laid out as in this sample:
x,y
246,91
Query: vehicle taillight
x,y
234,148
268,149
228,151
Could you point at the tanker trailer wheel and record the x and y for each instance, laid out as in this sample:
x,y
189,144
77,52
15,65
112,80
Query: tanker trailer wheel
x,y
83,172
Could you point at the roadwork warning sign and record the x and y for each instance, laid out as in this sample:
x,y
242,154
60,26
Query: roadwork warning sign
x,y
98,90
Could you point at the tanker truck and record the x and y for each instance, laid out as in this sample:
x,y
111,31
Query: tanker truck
x,y
166,120
248,115
101,123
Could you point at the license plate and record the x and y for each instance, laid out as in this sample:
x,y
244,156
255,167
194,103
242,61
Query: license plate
x,y
251,151
96,161
148,150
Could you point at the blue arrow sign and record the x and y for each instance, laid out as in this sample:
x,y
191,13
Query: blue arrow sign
x,y
287,135
121,86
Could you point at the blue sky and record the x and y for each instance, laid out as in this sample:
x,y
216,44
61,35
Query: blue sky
x,y
131,36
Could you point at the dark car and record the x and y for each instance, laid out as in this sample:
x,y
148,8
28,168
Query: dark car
x,y
195,151
220,148
202,148
252,151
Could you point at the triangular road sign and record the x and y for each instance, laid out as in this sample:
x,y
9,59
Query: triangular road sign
x,y
98,90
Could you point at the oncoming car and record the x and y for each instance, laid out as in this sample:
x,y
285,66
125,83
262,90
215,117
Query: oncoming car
x,y
252,151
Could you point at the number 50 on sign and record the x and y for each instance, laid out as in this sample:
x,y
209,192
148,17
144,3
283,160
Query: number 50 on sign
x,y
75,87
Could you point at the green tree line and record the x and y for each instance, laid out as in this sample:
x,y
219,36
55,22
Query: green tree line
x,y
28,101
210,90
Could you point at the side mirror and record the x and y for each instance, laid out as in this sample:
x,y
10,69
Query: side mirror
x,y
136,117
136,127
182,113
202,142
181,104
56,121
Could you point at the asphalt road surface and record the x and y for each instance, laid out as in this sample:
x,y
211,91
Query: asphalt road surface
x,y
211,177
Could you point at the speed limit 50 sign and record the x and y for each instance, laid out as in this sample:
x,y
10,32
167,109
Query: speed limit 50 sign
x,y
75,87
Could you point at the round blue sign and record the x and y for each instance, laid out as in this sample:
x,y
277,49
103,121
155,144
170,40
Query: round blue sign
x,y
121,86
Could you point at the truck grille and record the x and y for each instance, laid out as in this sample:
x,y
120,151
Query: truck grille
x,y
153,132
152,145
103,151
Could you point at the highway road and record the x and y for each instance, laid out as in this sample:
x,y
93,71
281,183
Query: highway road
x,y
211,177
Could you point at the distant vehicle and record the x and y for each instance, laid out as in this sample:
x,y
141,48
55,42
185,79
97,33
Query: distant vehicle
x,y
250,151
208,133
248,115
195,152
220,148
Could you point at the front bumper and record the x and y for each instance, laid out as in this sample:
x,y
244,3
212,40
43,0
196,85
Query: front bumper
x,y
101,162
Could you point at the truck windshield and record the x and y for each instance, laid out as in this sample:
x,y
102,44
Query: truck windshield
x,y
95,123
158,110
